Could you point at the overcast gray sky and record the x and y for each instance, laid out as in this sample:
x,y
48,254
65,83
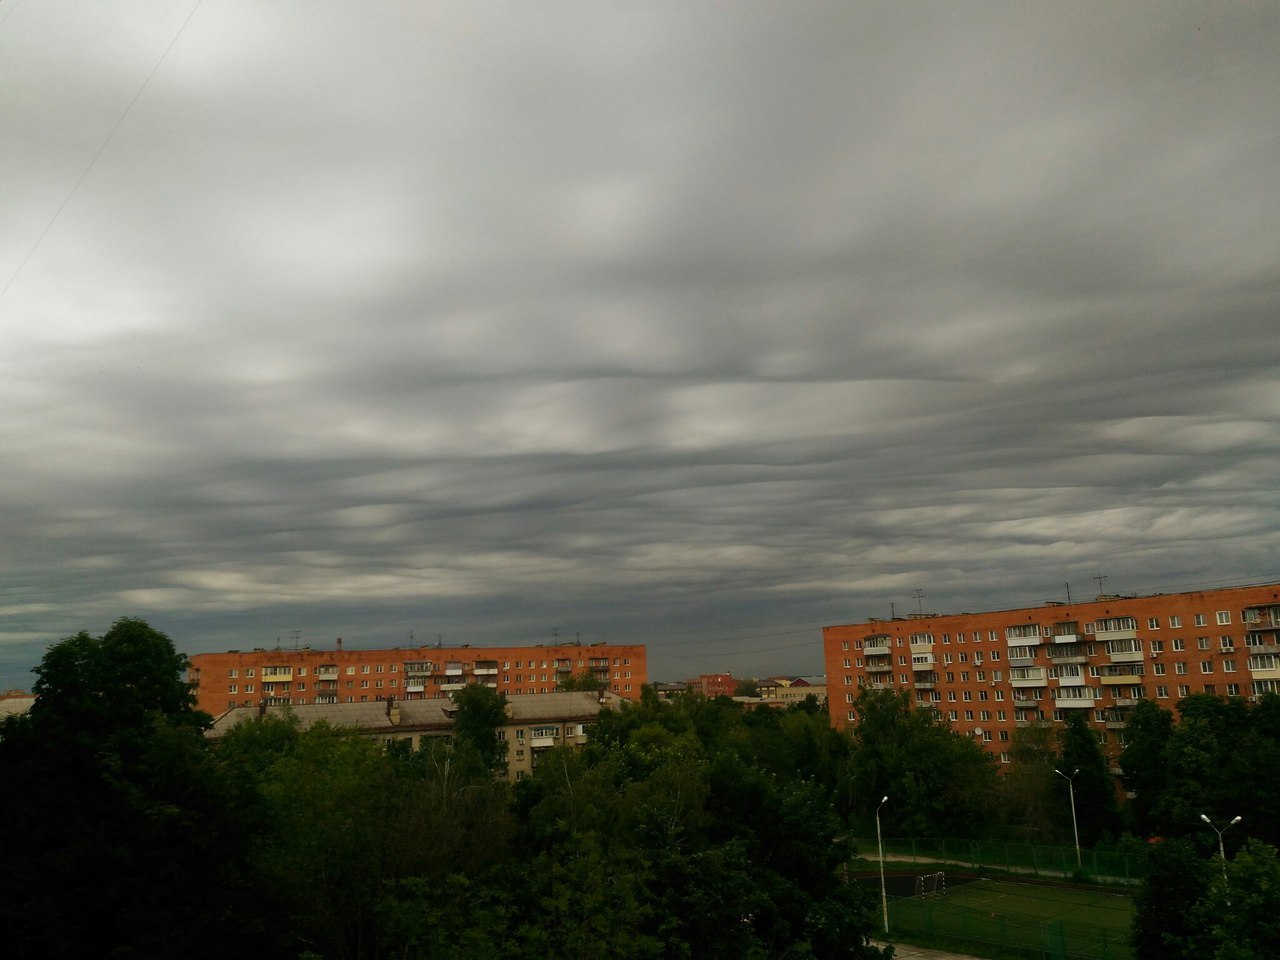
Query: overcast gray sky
x,y
696,324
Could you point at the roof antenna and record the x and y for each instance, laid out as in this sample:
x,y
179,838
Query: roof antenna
x,y
919,595
1099,578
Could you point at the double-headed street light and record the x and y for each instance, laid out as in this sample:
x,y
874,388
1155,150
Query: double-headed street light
x,y
884,899
1071,786
1222,851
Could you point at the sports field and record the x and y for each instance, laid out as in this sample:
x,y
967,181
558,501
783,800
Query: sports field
x,y
1019,918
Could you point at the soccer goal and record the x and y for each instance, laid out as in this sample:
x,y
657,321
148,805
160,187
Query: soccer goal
x,y
931,884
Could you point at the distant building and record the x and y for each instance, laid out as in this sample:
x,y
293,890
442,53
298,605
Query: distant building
x,y
990,673
535,723
793,690
13,702
714,685
308,677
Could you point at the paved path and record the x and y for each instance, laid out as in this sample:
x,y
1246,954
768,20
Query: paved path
x,y
905,951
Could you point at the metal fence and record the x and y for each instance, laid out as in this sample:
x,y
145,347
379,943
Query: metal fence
x,y
1115,865
935,921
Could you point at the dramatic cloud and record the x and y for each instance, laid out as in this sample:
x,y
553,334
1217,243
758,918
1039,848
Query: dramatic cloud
x,y
692,324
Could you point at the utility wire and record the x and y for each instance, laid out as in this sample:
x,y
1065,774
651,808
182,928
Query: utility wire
x,y
101,149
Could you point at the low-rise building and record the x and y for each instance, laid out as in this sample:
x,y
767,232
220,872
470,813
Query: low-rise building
x,y
535,723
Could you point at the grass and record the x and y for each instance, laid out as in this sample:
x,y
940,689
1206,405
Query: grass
x,y
1001,918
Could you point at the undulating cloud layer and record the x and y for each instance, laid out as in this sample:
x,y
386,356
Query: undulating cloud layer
x,y
692,324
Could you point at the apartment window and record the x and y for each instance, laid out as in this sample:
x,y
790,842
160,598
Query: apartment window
x,y
1200,620
1206,666
301,686
232,689
233,674
1224,616
1095,671
364,684
1058,715
1157,646
394,683
952,716
846,663
951,696
1162,692
1153,623
995,655
350,684
378,684
986,736
1175,623
1158,669
1004,736
1184,690
1180,667
350,671
1004,758
991,635
365,668
984,714
982,675
1179,644
1226,643
968,714
844,644
946,638
381,668
1228,666
982,695
1233,689
1202,643
946,659
902,660
1210,688
248,688
999,695
249,672
964,656
951,677
848,698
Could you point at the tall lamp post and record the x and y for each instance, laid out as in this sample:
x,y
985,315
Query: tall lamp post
x,y
884,899
1222,850
1071,787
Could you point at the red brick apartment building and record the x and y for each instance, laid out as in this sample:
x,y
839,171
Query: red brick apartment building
x,y
990,673
224,681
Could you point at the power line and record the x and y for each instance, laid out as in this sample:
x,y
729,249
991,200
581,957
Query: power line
x,y
94,159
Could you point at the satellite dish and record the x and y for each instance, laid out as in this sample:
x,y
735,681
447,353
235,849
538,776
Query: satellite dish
x,y
977,731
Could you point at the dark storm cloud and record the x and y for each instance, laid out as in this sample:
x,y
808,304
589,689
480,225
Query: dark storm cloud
x,y
697,325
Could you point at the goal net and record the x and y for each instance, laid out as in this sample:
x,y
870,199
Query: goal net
x,y
931,884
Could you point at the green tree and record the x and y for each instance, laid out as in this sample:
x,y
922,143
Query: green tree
x,y
747,688
481,712
1029,791
941,783
1083,761
586,680
1148,731
1166,921
118,836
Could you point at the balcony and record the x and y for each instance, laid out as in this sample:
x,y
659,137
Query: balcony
x,y
1261,618
1022,677
1115,628
880,666
1071,679
1123,656
1126,701
326,673
1067,703
878,685
923,661
1120,679
1063,656
452,687
1025,634
874,645
1066,632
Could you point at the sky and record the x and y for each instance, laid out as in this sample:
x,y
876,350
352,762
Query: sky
x,y
693,324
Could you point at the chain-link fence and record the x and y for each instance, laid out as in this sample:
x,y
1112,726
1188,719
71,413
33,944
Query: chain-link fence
x,y
1106,865
936,920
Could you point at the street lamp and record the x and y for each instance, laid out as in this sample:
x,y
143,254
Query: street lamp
x,y
1222,851
884,899
1071,787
